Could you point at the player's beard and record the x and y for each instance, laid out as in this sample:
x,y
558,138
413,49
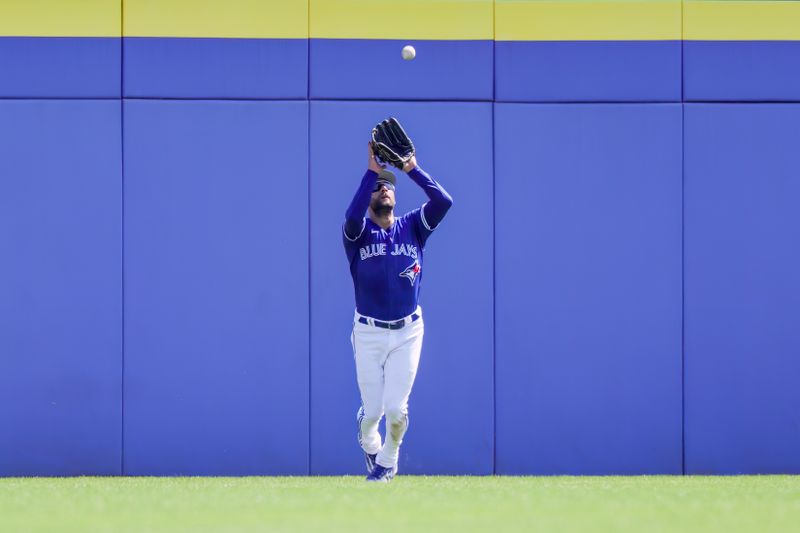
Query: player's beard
x,y
381,209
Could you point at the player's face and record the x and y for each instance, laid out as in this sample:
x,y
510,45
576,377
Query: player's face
x,y
382,197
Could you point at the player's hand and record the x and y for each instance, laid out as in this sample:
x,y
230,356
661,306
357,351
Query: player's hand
x,y
410,164
372,163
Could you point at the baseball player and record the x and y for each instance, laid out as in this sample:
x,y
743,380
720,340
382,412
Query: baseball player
x,y
386,259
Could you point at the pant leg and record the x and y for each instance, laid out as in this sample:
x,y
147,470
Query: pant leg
x,y
369,350
400,370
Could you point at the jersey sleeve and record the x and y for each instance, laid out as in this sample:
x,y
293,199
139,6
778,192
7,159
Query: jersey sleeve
x,y
351,246
422,229
355,228
439,201
354,220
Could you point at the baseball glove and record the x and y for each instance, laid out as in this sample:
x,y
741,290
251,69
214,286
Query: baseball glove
x,y
391,144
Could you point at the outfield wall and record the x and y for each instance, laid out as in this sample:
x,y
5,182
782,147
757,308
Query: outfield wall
x,y
615,291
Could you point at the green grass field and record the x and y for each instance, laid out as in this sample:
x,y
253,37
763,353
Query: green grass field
x,y
408,504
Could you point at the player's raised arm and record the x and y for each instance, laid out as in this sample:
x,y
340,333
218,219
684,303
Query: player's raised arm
x,y
354,217
440,201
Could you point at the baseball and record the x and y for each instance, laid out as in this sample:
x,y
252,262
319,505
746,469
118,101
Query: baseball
x,y
409,53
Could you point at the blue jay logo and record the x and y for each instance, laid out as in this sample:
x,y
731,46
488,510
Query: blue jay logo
x,y
411,272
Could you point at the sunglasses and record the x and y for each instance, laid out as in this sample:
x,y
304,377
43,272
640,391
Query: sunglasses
x,y
380,184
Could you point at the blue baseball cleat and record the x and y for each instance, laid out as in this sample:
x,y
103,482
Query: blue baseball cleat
x,y
381,474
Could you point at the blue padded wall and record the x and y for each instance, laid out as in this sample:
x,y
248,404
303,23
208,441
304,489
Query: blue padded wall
x,y
742,272
588,71
184,306
60,67
452,398
588,289
216,68
741,70
60,288
355,69
216,288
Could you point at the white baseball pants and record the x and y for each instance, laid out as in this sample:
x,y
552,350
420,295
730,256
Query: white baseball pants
x,y
386,365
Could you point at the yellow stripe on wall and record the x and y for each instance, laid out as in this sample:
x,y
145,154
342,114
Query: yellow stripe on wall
x,y
60,18
402,19
516,20
741,20
276,19
588,20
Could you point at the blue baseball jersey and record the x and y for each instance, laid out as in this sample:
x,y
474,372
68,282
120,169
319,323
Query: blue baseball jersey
x,y
386,265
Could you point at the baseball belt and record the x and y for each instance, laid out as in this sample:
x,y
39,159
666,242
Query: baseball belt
x,y
397,324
